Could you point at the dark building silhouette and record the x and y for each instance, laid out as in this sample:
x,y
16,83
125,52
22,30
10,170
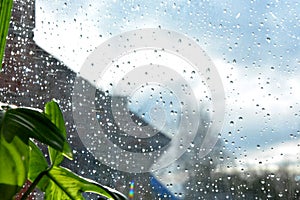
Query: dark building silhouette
x,y
120,137
31,77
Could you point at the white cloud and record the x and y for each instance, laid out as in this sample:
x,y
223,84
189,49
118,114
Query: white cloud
x,y
276,156
260,89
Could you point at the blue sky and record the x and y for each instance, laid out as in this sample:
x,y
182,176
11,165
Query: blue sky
x,y
254,44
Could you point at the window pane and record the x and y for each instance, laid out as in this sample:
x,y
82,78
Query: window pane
x,y
167,99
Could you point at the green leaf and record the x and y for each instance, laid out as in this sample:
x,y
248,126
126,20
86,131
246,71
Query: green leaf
x,y
14,163
37,165
25,123
5,13
65,184
54,113
17,126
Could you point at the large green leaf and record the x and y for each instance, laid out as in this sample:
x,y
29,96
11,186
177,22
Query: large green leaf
x,y
14,156
5,13
25,123
37,165
65,184
54,113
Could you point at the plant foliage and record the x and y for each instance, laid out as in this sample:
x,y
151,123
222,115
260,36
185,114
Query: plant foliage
x,y
21,159
5,13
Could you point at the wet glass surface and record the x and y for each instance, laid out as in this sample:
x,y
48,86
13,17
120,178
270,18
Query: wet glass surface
x,y
255,49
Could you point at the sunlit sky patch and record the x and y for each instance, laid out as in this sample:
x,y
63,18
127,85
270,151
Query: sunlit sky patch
x,y
254,44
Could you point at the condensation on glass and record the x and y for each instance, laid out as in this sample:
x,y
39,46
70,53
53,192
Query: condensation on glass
x,y
255,48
